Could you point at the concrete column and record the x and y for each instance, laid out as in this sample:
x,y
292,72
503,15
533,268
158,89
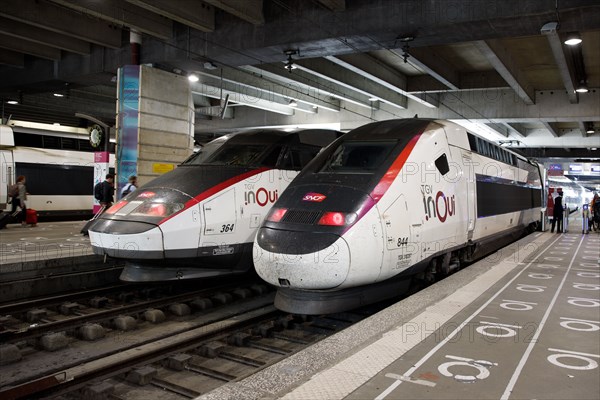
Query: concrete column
x,y
155,124
166,122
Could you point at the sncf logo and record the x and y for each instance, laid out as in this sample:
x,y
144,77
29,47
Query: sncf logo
x,y
316,197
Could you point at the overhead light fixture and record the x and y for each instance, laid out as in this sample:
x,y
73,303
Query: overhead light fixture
x,y
573,39
373,99
12,102
293,103
193,78
58,95
582,87
289,64
589,127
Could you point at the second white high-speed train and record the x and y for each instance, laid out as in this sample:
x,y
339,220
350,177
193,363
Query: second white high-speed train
x,y
389,201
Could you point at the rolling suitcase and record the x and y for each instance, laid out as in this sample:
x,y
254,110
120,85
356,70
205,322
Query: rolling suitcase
x,y
31,217
86,227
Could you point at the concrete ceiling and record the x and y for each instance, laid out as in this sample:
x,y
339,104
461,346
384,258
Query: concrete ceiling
x,y
487,65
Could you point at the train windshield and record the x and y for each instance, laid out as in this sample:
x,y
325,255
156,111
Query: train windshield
x,y
229,154
205,153
358,157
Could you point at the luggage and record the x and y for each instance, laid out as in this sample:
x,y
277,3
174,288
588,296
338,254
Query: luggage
x,y
8,218
86,227
31,216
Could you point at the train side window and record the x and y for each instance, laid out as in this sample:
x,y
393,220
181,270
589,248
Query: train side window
x,y
441,163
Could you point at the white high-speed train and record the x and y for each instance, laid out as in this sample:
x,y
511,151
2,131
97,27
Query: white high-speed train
x,y
59,172
200,219
387,202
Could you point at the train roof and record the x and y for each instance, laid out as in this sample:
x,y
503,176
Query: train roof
x,y
315,137
389,129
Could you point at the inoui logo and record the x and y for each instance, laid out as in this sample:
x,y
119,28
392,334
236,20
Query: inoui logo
x,y
316,197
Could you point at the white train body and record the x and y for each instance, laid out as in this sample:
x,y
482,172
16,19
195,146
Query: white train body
x,y
425,196
59,182
200,219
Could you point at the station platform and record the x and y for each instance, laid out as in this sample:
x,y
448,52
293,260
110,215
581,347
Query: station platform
x,y
47,240
49,258
522,323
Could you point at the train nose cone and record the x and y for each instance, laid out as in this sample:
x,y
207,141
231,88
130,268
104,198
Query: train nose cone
x,y
325,268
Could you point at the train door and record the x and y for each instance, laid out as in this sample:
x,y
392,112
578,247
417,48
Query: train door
x,y
469,174
398,239
220,219
7,176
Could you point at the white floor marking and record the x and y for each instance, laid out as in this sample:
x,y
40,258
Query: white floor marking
x,y
394,385
534,339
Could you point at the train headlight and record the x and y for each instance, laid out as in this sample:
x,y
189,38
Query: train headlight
x,y
335,218
156,209
116,207
151,206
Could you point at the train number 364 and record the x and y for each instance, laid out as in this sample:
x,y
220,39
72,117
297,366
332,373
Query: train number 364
x,y
227,228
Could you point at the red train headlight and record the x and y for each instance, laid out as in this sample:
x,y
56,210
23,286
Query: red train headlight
x,y
276,214
336,218
116,207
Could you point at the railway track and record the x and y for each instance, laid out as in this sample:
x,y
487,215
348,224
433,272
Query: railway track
x,y
32,319
191,363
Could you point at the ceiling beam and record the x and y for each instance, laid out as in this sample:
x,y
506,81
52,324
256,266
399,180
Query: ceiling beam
x,y
27,47
503,62
58,19
43,36
326,69
551,127
215,92
433,65
468,80
248,10
122,14
270,89
195,14
333,5
500,128
563,67
516,129
253,94
215,111
12,58
503,105
310,83
374,70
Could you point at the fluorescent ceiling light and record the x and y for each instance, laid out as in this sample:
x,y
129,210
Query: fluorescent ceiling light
x,y
193,78
58,95
573,39
12,102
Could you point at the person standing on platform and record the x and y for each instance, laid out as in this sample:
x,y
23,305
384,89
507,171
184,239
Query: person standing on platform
x,y
19,199
558,213
108,191
594,222
130,187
